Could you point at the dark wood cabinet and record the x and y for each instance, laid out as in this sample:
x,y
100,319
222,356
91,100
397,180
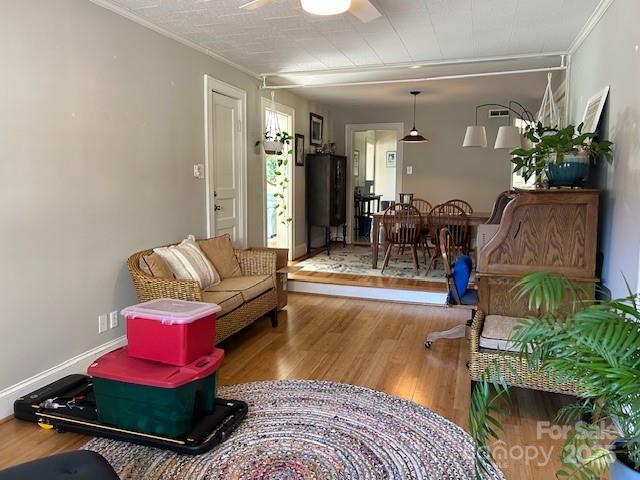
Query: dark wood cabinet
x,y
326,194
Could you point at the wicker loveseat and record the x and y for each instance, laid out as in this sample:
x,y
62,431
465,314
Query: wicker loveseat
x,y
243,299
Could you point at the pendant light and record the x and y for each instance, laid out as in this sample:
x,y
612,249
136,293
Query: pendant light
x,y
414,136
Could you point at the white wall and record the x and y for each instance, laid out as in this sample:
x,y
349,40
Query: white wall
x,y
610,56
385,176
101,122
442,169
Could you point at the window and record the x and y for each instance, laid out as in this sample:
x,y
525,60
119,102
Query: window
x,y
517,181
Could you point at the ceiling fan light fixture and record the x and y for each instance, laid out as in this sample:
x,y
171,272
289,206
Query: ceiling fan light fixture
x,y
325,7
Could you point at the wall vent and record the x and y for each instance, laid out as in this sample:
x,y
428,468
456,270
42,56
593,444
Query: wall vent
x,y
498,113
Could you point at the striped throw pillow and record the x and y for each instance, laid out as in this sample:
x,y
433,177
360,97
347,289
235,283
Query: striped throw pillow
x,y
187,262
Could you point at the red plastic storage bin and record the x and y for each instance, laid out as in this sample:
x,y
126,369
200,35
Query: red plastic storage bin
x,y
153,398
170,331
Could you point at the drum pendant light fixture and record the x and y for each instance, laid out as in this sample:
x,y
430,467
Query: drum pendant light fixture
x,y
414,136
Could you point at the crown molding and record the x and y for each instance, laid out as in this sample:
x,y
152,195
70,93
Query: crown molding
x,y
593,20
134,17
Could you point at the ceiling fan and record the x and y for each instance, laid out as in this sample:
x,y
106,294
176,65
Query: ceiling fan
x,y
362,9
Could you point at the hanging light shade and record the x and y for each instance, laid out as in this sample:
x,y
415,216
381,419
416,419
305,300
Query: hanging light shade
x,y
414,136
508,137
475,136
326,7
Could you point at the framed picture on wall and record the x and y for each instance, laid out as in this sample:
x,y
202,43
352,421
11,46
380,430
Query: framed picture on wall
x,y
299,150
316,124
593,110
356,163
391,159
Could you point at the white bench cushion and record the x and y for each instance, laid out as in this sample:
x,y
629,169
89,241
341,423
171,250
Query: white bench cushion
x,y
497,332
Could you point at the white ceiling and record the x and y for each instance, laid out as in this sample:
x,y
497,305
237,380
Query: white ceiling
x,y
281,37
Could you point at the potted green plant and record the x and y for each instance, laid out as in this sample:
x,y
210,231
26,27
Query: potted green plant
x,y
276,173
274,144
563,154
594,344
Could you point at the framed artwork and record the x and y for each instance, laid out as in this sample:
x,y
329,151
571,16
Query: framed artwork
x,y
316,124
299,150
356,163
593,110
391,159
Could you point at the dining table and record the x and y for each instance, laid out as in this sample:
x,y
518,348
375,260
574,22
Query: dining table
x,y
475,219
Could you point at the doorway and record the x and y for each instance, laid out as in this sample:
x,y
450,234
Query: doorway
x,y
225,167
278,179
375,174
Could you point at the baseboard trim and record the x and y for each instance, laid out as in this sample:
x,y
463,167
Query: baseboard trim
x,y
77,364
370,293
299,250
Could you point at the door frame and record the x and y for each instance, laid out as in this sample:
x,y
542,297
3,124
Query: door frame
x,y
211,85
291,206
350,129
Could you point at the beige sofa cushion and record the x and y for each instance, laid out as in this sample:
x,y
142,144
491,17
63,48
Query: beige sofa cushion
x,y
496,333
228,301
250,287
220,251
188,262
155,266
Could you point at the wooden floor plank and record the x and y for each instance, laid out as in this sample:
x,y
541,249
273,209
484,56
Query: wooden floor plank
x,y
375,344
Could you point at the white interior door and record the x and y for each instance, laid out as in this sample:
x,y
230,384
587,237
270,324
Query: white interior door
x,y
225,179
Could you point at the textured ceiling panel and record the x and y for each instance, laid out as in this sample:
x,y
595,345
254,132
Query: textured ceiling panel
x,y
281,37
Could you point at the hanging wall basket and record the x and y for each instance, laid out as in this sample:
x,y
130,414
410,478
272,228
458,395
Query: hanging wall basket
x,y
272,147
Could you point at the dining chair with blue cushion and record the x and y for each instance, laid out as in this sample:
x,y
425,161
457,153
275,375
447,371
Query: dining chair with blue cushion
x,y
458,275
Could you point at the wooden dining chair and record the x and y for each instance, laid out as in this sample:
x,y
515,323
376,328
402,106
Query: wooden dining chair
x,y
466,208
424,207
402,225
447,215
499,205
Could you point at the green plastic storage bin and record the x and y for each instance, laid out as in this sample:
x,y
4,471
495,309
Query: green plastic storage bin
x,y
151,397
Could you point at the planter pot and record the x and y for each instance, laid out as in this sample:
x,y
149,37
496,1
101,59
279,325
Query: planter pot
x,y
620,470
572,172
273,148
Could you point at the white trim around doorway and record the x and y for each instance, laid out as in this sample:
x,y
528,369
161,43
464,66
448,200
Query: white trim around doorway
x,y
211,85
350,129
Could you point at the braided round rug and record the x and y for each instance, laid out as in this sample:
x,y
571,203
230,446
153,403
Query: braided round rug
x,y
311,429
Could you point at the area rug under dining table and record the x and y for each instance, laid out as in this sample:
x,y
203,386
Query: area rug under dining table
x,y
299,429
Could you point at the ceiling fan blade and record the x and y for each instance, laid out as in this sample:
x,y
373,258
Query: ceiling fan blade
x,y
364,10
255,4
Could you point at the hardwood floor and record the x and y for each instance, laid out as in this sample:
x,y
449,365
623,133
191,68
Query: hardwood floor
x,y
373,344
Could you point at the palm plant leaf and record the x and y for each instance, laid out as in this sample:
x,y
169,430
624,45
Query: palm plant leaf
x,y
596,345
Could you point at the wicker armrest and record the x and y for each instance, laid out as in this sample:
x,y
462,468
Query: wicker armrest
x,y
476,331
150,288
256,262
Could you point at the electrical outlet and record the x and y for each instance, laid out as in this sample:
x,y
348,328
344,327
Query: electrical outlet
x,y
113,319
103,324
198,170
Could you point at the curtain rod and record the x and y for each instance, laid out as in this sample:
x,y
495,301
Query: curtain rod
x,y
410,80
